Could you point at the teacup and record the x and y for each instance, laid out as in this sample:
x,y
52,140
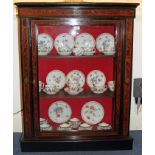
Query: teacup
x,y
73,88
45,127
64,50
50,89
85,126
41,86
71,91
77,51
104,126
43,121
111,85
109,50
75,122
64,127
99,89
88,51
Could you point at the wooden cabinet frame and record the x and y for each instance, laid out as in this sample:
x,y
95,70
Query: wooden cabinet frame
x,y
31,15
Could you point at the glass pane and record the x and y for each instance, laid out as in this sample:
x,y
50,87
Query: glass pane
x,y
76,72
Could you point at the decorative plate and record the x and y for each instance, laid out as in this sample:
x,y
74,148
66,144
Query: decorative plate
x,y
105,43
85,40
56,78
92,112
59,112
64,44
96,78
75,77
45,44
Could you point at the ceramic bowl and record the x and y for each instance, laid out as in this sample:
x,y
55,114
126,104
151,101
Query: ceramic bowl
x,y
64,127
45,127
74,122
64,51
88,51
104,126
78,51
43,121
73,92
85,126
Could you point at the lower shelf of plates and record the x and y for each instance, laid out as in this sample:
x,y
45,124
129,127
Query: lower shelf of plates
x,y
84,94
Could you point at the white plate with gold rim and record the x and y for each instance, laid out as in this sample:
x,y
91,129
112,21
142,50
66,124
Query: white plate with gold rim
x,y
45,44
92,112
59,112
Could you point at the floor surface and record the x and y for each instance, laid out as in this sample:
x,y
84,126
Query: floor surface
x,y
137,148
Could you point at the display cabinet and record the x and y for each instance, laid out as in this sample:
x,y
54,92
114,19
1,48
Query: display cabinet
x,y
76,66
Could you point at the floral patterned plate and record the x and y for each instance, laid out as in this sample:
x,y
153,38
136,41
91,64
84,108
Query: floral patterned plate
x,y
96,78
75,77
59,112
64,44
105,43
45,44
85,40
56,78
92,112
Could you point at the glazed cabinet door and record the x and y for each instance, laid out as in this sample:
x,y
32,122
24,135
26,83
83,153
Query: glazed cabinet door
x,y
77,80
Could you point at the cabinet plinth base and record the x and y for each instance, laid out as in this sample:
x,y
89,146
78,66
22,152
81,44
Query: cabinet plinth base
x,y
76,145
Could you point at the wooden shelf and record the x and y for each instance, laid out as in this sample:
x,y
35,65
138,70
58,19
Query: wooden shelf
x,y
84,94
72,56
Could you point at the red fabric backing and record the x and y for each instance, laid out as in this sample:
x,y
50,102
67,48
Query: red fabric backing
x,y
85,64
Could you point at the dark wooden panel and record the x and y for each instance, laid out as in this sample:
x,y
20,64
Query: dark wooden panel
x,y
83,4
76,12
25,62
118,73
110,143
127,76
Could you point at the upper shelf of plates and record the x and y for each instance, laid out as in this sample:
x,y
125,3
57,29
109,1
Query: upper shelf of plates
x,y
83,44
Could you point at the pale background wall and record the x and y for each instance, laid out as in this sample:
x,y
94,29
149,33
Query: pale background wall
x,y
136,119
